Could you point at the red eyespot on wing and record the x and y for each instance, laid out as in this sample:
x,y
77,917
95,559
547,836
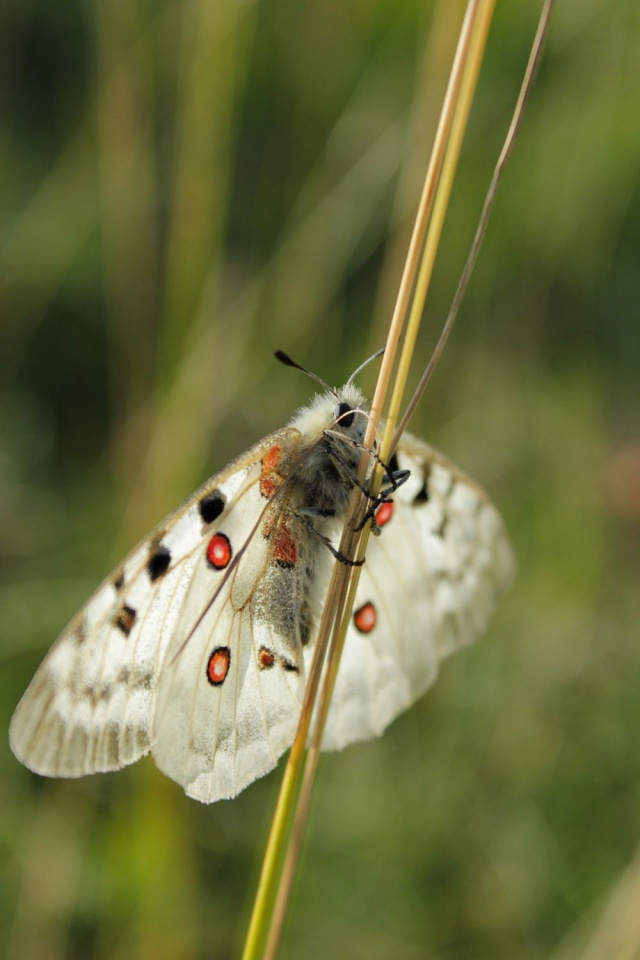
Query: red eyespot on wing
x,y
265,658
384,513
270,479
218,666
285,551
271,459
219,551
268,486
365,618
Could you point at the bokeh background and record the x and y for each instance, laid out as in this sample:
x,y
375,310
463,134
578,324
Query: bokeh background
x,y
187,185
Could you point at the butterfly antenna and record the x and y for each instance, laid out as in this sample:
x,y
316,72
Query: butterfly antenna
x,y
374,356
288,362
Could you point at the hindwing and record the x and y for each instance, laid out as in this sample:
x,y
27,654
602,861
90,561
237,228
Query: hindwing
x,y
429,585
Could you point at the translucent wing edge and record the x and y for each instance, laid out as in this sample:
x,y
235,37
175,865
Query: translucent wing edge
x,y
38,733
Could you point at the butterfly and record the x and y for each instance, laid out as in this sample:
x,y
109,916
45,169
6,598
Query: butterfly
x,y
195,649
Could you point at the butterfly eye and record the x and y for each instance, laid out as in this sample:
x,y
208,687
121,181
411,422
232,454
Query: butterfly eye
x,y
343,414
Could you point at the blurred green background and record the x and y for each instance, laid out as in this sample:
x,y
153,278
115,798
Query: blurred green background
x,y
186,186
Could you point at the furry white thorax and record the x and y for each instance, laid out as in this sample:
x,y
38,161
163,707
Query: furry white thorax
x,y
330,442
319,415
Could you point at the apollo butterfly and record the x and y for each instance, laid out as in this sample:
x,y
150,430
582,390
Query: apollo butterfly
x,y
196,647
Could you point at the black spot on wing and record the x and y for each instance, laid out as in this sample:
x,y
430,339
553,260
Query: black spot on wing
x,y
158,562
125,619
289,666
118,582
211,506
393,466
422,495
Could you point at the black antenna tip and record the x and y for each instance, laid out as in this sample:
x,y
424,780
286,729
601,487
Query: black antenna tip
x,y
288,362
284,358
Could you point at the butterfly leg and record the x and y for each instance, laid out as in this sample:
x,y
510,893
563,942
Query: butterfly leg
x,y
393,476
345,466
396,478
305,518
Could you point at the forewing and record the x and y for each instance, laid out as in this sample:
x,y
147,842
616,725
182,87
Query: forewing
x,y
429,585
90,705
229,696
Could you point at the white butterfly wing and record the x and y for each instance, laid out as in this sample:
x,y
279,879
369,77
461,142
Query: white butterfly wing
x,y
192,648
429,585
229,695
90,706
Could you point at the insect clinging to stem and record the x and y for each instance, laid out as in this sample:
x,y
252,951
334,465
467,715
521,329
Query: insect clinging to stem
x,y
195,649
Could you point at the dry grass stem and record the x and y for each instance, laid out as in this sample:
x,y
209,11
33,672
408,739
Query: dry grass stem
x,y
290,818
505,153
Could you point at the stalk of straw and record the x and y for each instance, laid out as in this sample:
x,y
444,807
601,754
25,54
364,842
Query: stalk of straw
x,y
293,807
404,328
291,811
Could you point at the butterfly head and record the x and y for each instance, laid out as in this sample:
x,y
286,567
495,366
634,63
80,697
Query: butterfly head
x,y
342,413
332,426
